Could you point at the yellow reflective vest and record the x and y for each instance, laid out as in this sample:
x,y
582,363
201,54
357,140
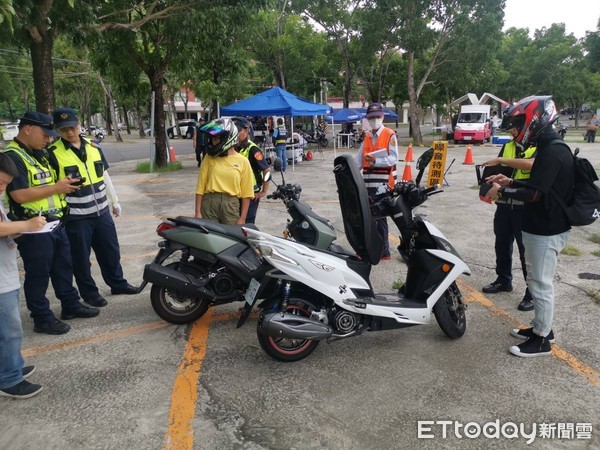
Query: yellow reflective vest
x,y
38,174
510,151
90,200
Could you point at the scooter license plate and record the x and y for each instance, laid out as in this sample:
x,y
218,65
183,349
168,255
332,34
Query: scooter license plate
x,y
252,291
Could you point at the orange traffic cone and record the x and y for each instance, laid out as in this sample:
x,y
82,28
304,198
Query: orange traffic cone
x,y
469,156
409,155
172,154
407,174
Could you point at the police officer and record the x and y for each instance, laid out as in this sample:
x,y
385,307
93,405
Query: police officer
x,y
377,156
509,213
280,135
259,165
46,256
90,225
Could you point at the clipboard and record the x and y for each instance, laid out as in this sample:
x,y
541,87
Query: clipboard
x,y
381,153
48,228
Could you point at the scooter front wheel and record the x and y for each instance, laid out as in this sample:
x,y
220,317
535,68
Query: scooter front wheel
x,y
450,314
285,349
175,307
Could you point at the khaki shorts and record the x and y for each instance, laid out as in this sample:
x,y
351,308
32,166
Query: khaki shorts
x,y
221,208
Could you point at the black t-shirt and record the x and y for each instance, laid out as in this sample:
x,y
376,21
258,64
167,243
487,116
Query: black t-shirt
x,y
552,169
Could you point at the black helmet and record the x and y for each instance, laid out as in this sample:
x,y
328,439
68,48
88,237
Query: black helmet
x,y
531,116
223,129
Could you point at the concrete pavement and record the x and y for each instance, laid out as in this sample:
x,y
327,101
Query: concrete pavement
x,y
128,380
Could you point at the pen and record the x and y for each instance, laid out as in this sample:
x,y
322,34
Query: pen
x,y
40,214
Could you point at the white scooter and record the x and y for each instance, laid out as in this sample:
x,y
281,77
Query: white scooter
x,y
313,295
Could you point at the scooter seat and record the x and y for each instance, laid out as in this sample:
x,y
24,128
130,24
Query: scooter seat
x,y
234,231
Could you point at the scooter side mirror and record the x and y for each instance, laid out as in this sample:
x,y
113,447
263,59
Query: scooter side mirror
x,y
267,177
422,164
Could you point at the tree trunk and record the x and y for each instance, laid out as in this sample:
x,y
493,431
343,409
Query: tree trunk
x,y
347,85
138,116
413,101
126,119
160,144
43,73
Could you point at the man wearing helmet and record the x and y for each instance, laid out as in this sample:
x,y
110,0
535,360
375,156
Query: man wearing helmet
x,y
545,227
225,176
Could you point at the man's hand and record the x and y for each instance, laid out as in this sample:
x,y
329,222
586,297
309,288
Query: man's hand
x,y
370,158
499,179
259,195
116,209
493,192
491,162
35,223
67,185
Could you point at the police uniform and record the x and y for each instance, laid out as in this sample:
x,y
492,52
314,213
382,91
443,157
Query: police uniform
x,y
258,164
46,256
90,224
507,221
279,141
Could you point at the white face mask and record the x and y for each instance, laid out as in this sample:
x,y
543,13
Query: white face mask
x,y
375,123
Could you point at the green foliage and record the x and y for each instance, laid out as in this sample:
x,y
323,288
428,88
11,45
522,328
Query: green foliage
x,y
596,253
595,238
569,250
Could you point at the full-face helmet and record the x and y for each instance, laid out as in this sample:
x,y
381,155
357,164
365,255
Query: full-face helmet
x,y
531,116
223,129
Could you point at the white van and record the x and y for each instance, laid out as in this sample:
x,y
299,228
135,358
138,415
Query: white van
x,y
473,124
9,132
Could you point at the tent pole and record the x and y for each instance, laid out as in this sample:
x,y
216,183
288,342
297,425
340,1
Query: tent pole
x,y
293,146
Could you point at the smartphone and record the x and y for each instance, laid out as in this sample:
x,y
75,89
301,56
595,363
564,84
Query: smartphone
x,y
80,182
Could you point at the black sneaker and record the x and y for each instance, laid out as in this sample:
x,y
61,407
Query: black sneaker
x,y
496,287
24,389
81,311
97,301
27,370
532,347
126,289
53,327
527,303
526,333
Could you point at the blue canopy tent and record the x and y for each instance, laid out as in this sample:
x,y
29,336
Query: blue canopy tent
x,y
387,113
276,102
345,115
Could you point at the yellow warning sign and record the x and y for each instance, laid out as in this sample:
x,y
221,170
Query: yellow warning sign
x,y
437,166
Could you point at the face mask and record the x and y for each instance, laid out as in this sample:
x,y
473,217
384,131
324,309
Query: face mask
x,y
375,123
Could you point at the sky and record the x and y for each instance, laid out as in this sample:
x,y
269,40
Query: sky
x,y
578,16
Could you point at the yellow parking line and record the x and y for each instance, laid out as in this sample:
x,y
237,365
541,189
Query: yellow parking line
x,y
582,369
180,434
98,339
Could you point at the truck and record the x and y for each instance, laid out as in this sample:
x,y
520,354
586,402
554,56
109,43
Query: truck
x,y
473,124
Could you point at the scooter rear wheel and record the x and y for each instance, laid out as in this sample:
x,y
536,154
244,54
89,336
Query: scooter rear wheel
x,y
289,350
450,314
175,307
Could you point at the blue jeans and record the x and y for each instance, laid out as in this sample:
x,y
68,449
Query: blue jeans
x,y
11,337
541,254
282,155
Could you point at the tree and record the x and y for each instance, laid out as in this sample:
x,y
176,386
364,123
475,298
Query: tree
x,y
432,34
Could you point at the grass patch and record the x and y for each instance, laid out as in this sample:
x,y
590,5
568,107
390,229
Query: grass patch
x,y
594,295
595,238
144,167
596,253
397,285
569,250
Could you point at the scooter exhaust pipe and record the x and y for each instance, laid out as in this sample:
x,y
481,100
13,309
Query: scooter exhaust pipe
x,y
172,279
290,326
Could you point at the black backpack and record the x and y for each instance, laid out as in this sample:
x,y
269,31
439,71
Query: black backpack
x,y
584,206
